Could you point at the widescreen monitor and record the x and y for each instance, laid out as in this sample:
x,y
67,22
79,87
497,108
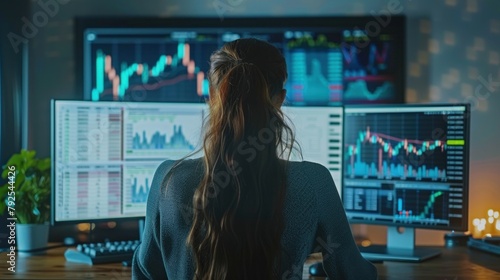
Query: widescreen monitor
x,y
105,153
331,60
407,166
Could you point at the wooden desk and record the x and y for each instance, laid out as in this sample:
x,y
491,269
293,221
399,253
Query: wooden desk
x,y
458,263
53,265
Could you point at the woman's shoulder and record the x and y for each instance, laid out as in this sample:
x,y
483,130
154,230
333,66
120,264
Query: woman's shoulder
x,y
308,173
173,165
177,173
307,168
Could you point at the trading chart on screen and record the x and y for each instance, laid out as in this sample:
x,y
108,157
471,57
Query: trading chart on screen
x,y
326,66
105,154
406,164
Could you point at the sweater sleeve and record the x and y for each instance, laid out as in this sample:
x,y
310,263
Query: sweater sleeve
x,y
341,256
147,262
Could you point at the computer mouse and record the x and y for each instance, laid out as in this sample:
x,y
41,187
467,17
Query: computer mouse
x,y
316,269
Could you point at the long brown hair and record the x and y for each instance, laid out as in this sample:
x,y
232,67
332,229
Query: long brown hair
x,y
238,220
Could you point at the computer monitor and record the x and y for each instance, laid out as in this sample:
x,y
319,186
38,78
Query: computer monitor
x,y
331,60
104,154
406,166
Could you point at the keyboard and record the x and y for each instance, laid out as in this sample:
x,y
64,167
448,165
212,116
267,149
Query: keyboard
x,y
490,245
106,252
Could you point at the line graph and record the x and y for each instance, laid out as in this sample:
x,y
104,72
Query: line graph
x,y
367,72
162,133
368,88
360,63
314,41
140,191
159,141
137,181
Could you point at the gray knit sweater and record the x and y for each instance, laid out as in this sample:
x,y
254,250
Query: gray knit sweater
x,y
315,221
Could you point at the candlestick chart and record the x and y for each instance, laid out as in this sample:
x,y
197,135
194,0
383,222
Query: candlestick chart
x,y
406,165
414,205
148,69
395,146
325,68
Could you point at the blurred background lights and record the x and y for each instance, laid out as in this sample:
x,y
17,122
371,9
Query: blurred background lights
x,y
489,226
475,222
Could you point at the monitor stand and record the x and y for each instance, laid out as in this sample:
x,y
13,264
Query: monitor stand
x,y
400,247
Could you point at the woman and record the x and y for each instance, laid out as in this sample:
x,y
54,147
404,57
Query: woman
x,y
243,211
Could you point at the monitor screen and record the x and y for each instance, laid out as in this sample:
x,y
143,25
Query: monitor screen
x,y
407,165
318,133
105,154
331,61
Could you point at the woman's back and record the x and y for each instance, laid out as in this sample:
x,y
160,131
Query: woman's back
x,y
243,211
314,222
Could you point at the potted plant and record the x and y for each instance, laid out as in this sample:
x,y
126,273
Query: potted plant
x,y
26,197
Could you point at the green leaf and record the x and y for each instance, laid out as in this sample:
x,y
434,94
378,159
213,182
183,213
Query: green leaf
x,y
15,160
28,154
44,164
32,187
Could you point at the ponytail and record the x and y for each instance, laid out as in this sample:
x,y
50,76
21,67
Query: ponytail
x,y
236,233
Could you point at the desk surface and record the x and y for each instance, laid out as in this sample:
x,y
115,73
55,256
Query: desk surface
x,y
454,264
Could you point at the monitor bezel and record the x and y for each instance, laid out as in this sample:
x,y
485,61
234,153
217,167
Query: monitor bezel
x,y
396,25
465,203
